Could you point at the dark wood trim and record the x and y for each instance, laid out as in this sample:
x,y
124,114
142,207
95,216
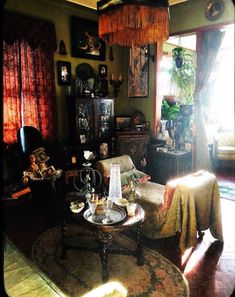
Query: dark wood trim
x,y
159,3
203,28
157,95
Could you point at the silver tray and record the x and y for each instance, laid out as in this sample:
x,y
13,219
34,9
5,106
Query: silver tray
x,y
117,214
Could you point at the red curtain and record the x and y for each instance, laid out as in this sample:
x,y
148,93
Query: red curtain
x,y
28,77
11,93
28,91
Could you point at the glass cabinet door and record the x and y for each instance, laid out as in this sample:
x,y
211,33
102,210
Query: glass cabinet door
x,y
104,110
84,121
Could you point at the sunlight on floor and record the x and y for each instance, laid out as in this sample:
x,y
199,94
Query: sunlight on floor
x,y
228,219
108,289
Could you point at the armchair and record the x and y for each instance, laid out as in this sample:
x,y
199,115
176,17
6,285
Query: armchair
x,y
224,149
183,207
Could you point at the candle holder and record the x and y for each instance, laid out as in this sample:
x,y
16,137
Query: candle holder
x,y
116,83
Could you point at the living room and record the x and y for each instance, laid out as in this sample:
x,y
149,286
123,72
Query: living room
x,y
133,109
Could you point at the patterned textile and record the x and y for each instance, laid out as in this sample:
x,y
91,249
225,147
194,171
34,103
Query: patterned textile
x,y
28,76
135,174
19,26
191,204
80,272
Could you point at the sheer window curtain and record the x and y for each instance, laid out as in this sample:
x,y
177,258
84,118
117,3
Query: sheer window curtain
x,y
208,43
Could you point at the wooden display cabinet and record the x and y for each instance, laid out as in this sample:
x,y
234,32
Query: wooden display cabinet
x,y
135,144
90,121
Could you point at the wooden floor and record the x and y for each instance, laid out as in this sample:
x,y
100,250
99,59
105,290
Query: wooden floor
x,y
210,269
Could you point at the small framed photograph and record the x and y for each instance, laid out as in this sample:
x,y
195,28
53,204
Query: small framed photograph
x,y
123,123
64,73
103,70
147,125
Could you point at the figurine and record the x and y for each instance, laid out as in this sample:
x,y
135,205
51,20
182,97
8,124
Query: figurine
x,y
104,150
33,165
32,171
43,168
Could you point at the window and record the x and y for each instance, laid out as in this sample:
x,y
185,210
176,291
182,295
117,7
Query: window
x,y
168,88
28,76
221,96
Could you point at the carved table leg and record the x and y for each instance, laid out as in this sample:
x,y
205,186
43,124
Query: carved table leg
x,y
103,239
139,250
104,262
63,244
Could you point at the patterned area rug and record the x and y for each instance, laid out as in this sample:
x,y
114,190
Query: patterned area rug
x,y
227,189
81,271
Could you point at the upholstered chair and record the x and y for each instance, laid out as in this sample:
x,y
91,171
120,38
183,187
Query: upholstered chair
x,y
224,149
184,207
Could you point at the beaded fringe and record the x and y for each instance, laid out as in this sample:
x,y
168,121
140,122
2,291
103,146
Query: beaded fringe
x,y
134,25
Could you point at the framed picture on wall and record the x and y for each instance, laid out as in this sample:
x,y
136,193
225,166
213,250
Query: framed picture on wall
x,y
85,41
138,72
122,122
103,70
64,73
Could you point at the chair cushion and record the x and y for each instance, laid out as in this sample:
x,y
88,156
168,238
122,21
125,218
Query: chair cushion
x,y
135,174
151,193
103,166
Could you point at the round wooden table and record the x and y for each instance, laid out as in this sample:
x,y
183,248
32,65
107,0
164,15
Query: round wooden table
x,y
104,234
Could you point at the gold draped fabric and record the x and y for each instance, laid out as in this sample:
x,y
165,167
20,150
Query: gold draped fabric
x,y
195,206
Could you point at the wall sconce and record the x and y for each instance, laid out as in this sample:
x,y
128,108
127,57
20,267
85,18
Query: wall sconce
x,y
115,82
62,48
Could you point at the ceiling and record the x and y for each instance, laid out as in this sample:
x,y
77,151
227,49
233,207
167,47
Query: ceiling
x,y
92,3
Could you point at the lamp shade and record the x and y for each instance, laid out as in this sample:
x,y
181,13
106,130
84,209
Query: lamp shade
x,y
133,22
115,191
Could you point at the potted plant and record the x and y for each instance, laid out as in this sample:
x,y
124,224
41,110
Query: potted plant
x,y
178,54
168,111
183,78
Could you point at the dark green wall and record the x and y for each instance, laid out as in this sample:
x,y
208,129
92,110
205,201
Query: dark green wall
x,y
59,12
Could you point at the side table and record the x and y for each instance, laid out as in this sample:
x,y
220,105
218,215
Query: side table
x,y
168,165
104,234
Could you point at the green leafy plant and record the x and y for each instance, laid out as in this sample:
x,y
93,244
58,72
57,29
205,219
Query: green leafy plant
x,y
183,78
179,52
130,192
169,112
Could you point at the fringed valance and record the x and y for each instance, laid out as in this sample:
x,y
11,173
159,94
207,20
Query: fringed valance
x,y
36,32
134,25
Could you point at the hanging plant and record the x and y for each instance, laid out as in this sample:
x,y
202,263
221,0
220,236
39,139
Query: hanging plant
x,y
183,78
179,54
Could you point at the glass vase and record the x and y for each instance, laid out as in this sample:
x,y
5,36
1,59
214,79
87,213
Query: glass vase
x,y
115,192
